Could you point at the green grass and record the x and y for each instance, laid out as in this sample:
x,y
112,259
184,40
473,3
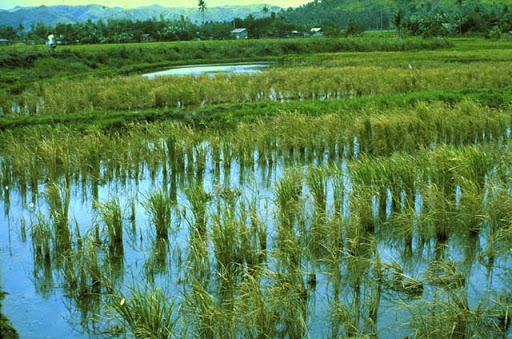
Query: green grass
x,y
24,65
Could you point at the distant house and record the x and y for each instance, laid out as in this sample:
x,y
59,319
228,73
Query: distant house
x,y
240,33
316,31
4,42
296,33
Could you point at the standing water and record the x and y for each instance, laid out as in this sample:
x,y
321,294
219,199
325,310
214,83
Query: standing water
x,y
238,222
210,69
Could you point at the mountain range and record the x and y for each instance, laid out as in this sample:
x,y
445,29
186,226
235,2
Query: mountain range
x,y
372,14
51,15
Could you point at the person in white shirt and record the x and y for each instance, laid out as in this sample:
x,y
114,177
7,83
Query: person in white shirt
x,y
51,42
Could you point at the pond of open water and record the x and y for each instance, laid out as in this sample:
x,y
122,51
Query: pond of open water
x,y
211,70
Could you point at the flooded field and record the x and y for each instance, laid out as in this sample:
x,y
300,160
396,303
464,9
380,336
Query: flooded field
x,y
271,234
341,195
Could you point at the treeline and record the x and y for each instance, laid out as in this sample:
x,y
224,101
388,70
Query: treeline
x,y
465,19
334,17
123,30
426,17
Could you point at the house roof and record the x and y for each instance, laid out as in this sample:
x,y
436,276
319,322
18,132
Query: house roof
x,y
4,40
239,30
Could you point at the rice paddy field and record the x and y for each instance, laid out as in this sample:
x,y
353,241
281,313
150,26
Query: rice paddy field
x,y
357,192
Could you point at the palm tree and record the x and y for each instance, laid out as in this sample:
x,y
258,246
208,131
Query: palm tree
x,y
202,7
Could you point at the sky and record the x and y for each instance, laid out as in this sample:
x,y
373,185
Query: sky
x,y
8,4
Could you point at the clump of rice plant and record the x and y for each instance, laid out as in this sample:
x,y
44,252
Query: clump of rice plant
x,y
159,207
112,216
198,198
448,314
226,240
257,309
82,271
288,195
317,182
58,202
253,240
147,313
41,240
471,206
362,205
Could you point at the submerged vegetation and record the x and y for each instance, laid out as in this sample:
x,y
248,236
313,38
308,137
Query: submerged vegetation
x,y
6,328
320,198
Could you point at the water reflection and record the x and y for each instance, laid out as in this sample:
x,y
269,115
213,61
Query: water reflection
x,y
210,70
298,237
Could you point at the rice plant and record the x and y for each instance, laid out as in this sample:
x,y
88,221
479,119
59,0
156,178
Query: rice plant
x,y
226,240
288,196
410,165
157,263
159,207
58,203
448,315
111,214
58,200
317,182
82,270
198,199
258,311
41,234
146,312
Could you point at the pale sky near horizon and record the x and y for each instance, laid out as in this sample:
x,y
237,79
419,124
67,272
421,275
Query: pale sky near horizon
x,y
8,4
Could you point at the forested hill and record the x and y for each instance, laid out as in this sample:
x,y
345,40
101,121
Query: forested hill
x,y
379,14
95,23
51,15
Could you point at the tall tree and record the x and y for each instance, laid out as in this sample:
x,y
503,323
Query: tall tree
x,y
459,4
397,21
202,7
21,31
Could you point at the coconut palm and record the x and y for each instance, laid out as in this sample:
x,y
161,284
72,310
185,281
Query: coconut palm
x,y
202,7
